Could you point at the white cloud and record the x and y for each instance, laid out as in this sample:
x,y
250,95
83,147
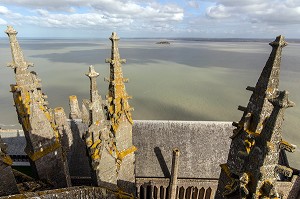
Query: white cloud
x,y
218,11
193,3
3,22
3,10
222,17
257,11
42,12
104,13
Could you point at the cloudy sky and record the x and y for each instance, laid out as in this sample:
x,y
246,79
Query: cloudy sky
x,y
153,18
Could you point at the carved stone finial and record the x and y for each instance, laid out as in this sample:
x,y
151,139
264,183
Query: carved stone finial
x,y
10,30
282,100
92,72
279,41
75,112
258,142
117,96
114,36
268,82
17,54
43,142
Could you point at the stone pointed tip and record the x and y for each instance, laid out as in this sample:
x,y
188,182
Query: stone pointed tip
x,y
10,30
279,41
114,36
91,69
73,97
92,72
59,109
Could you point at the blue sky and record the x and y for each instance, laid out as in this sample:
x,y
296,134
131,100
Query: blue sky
x,y
152,18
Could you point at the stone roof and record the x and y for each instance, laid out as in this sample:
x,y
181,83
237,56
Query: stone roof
x,y
15,141
203,146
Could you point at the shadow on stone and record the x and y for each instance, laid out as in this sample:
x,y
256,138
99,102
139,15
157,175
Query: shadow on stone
x,y
162,162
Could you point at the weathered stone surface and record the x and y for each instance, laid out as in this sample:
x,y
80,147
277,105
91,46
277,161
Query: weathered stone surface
x,y
75,112
43,140
8,184
119,115
109,136
199,142
98,139
79,164
72,193
252,167
64,130
203,146
254,164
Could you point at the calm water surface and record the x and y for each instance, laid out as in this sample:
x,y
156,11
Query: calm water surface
x,y
187,80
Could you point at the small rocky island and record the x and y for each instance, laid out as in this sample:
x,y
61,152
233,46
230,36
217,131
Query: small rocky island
x,y
163,42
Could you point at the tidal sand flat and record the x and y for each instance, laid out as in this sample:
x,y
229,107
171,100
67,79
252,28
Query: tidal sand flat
x,y
186,80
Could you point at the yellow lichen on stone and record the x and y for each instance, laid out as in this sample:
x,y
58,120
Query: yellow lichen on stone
x,y
6,159
117,96
249,144
95,144
125,152
41,153
96,154
287,146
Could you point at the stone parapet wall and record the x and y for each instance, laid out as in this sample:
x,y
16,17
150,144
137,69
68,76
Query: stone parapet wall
x,y
203,145
72,193
186,188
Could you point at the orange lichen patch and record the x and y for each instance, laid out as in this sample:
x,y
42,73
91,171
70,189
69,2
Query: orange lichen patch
x,y
22,105
117,96
98,122
270,90
232,186
129,117
44,151
112,149
118,108
58,110
6,159
47,114
125,152
73,98
287,146
270,146
95,144
249,144
225,168
22,100
252,133
96,154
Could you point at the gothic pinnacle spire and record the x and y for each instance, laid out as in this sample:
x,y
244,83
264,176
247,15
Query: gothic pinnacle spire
x,y
115,55
41,133
253,160
266,87
95,104
268,82
117,96
17,54
92,73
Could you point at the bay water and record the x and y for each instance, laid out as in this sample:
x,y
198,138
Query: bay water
x,y
190,79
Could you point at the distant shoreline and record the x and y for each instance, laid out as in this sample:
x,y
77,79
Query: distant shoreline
x,y
265,40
